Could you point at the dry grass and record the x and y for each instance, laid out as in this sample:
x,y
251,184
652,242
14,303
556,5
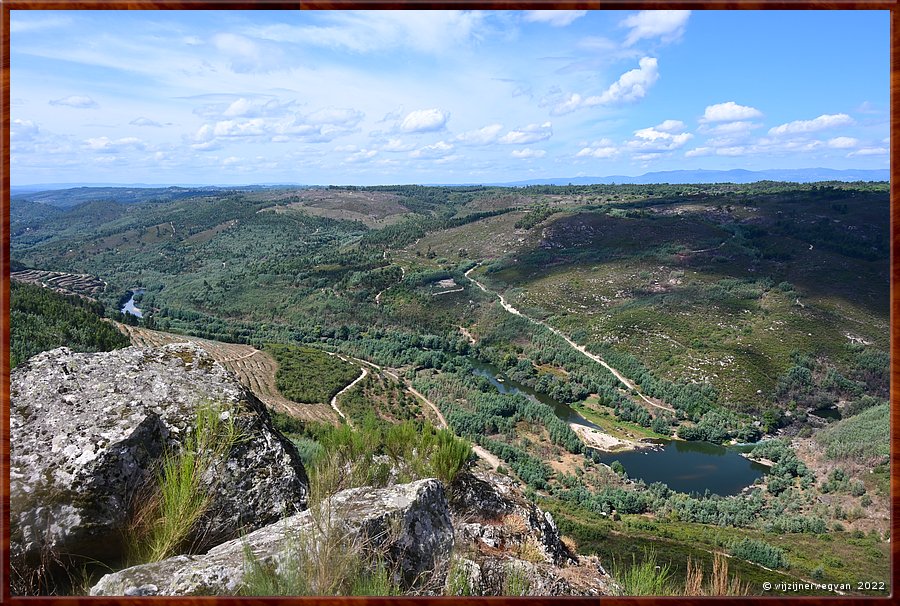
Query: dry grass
x,y
529,551
515,523
719,583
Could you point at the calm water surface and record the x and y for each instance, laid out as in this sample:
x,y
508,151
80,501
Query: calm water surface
x,y
129,307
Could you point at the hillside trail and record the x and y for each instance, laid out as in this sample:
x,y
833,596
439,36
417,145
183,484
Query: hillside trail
x,y
579,348
478,450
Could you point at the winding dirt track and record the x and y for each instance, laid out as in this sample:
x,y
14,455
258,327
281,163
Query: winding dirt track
x,y
579,348
255,370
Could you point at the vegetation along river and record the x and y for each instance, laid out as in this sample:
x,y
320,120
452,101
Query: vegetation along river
x,y
129,307
683,466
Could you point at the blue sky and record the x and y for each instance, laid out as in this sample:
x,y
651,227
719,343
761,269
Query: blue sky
x,y
387,97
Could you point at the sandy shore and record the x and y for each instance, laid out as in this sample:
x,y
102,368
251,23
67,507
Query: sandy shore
x,y
603,441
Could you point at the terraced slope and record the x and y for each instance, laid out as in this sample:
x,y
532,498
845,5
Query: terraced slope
x,y
254,368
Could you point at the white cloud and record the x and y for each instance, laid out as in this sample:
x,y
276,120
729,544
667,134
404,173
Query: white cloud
x,y
669,126
528,153
424,121
141,121
362,155
554,18
21,130
17,25
843,142
528,134
666,25
869,151
432,32
699,151
105,144
482,136
729,112
653,139
738,127
79,101
808,126
397,145
631,86
603,151
245,54
438,150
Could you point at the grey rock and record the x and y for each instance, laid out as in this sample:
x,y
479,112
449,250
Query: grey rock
x,y
87,431
490,509
408,524
506,545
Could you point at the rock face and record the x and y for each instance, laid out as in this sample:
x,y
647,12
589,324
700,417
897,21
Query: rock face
x,y
409,524
87,431
506,545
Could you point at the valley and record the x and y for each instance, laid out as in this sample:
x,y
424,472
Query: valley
x,y
610,349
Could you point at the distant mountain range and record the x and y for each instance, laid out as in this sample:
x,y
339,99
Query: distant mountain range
x,y
798,175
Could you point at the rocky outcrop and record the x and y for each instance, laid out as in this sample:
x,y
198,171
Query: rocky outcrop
x,y
506,545
87,431
408,525
492,511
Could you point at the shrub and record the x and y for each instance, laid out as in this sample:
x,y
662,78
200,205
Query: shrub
x,y
759,552
515,581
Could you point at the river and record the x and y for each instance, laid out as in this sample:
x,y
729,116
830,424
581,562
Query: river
x,y
683,466
129,307
506,385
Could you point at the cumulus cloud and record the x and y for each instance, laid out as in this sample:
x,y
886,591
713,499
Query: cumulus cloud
x,y
528,134
666,25
107,145
598,149
78,101
424,121
273,121
823,122
869,151
362,155
397,145
843,142
670,126
656,139
554,18
438,150
729,112
482,136
699,151
21,130
631,86
141,121
528,153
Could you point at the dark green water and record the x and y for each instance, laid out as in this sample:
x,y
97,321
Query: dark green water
x,y
690,467
683,466
507,385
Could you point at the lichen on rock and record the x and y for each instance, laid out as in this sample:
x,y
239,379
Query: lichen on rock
x,y
87,433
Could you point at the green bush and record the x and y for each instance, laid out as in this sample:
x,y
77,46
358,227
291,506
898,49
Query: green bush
x,y
759,552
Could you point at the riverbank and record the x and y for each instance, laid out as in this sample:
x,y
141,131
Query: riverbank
x,y
599,440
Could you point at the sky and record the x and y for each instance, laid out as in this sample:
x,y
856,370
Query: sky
x,y
390,97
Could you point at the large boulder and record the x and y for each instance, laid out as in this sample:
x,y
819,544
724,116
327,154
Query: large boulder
x,y
491,510
87,434
407,525
507,545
